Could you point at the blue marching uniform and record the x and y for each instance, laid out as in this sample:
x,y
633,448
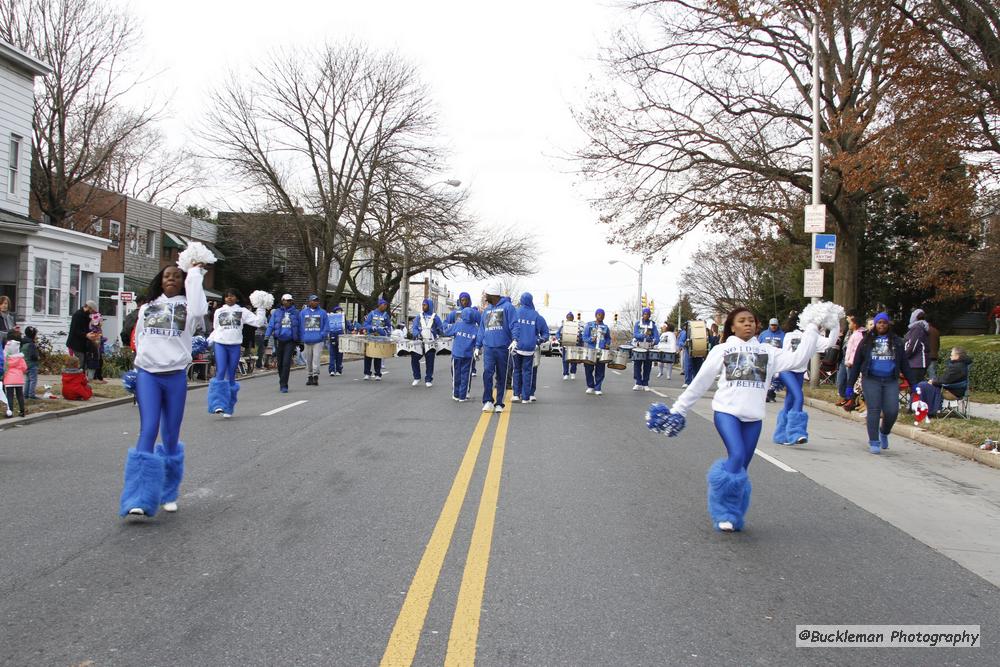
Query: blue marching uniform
x,y
596,336
567,368
495,336
529,330
337,329
644,331
379,323
466,333
284,326
426,327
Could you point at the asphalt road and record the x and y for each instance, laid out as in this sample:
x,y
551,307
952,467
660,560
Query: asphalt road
x,y
383,522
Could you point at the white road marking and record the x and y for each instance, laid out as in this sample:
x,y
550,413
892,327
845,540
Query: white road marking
x,y
771,459
283,407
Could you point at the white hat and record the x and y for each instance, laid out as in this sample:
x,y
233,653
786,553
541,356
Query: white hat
x,y
287,296
494,288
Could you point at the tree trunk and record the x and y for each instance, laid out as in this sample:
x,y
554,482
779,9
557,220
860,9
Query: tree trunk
x,y
845,269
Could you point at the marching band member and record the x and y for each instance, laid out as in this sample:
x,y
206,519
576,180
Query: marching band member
x,y
284,325
314,324
455,316
163,333
425,328
668,344
569,369
495,336
746,366
528,331
377,322
596,335
337,329
646,334
466,333
227,334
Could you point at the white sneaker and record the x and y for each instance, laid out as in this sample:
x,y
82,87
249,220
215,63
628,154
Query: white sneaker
x,y
516,399
598,392
488,406
378,378
636,387
684,386
572,376
646,389
462,400
10,414
565,377
367,377
218,411
226,415
498,408
137,511
532,399
428,384
454,398
415,383
660,374
726,526
589,390
170,507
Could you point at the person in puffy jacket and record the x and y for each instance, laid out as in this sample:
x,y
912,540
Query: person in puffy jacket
x,y
645,334
529,330
466,333
284,326
955,378
15,369
378,322
426,327
314,324
30,351
917,344
495,337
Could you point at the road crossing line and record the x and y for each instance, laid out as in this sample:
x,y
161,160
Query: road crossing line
x,y
465,624
402,646
283,407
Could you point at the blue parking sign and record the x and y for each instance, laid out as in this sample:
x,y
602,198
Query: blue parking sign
x,y
825,247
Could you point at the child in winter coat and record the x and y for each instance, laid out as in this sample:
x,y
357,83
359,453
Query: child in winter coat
x,y
30,351
465,331
3,393
74,382
13,376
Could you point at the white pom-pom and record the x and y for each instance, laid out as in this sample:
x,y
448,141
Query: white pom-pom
x,y
261,299
825,315
195,253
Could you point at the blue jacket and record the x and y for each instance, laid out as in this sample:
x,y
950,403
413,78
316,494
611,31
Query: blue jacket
x,y
378,323
314,325
597,335
646,331
773,338
338,323
416,329
466,333
495,325
284,324
529,328
456,314
863,359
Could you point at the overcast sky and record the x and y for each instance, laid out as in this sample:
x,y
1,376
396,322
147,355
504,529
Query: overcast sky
x,y
504,77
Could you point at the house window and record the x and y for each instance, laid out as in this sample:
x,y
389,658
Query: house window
x,y
279,259
132,237
48,279
151,244
74,287
114,231
15,161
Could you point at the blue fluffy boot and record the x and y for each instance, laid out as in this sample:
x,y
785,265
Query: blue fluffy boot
x,y
218,395
728,495
780,436
234,390
798,427
174,472
144,476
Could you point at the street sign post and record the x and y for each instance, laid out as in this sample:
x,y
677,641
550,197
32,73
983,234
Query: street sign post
x,y
825,248
126,297
813,283
815,218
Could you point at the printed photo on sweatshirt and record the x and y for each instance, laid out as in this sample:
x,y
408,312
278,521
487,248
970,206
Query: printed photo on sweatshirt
x,y
743,366
231,319
495,319
165,319
881,348
312,322
286,320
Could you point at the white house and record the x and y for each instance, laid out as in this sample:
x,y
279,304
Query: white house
x,y
47,272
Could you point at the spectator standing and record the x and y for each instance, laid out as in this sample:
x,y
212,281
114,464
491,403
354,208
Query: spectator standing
x,y
14,371
855,332
996,319
79,337
917,344
7,322
30,351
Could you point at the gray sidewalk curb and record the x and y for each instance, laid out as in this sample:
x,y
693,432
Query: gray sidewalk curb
x,y
126,400
917,434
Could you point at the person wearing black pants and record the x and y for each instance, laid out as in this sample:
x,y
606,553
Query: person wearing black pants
x,y
284,326
286,350
880,359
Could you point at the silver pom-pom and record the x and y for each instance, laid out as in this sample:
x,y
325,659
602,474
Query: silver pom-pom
x,y
824,314
261,299
195,253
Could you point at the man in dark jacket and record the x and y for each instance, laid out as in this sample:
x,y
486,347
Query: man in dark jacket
x,y
955,378
79,326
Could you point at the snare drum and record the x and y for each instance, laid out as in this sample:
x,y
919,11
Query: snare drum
x,y
657,355
590,355
575,354
352,344
407,347
640,354
606,356
444,345
698,339
620,360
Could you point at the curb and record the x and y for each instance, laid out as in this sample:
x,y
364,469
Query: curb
x,y
916,434
110,403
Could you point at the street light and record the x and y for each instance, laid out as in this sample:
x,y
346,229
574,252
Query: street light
x,y
639,271
452,182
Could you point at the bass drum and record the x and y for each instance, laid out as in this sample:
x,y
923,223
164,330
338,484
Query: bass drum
x,y
698,339
570,334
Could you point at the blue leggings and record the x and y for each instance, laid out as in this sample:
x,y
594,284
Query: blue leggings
x,y
793,390
740,438
227,359
161,398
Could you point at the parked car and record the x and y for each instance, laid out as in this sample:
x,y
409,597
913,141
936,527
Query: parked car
x,y
551,346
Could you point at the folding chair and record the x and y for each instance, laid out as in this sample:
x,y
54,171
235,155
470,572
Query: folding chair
x,y
829,364
955,400
905,392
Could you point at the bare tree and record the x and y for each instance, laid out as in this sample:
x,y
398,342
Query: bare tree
x,y
708,123
144,167
80,118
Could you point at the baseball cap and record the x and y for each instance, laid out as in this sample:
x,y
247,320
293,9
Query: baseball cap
x,y
494,289
287,296
313,297
774,320
91,304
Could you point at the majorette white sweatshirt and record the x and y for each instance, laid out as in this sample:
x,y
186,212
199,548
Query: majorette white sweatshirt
x,y
794,338
165,327
745,369
228,323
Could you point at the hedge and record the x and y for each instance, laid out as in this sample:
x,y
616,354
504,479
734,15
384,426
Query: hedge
x,y
984,374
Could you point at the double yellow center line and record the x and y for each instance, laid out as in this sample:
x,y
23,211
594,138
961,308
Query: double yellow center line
x,y
405,635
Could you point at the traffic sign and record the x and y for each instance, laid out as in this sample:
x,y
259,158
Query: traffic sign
x,y
824,247
813,283
126,297
815,218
